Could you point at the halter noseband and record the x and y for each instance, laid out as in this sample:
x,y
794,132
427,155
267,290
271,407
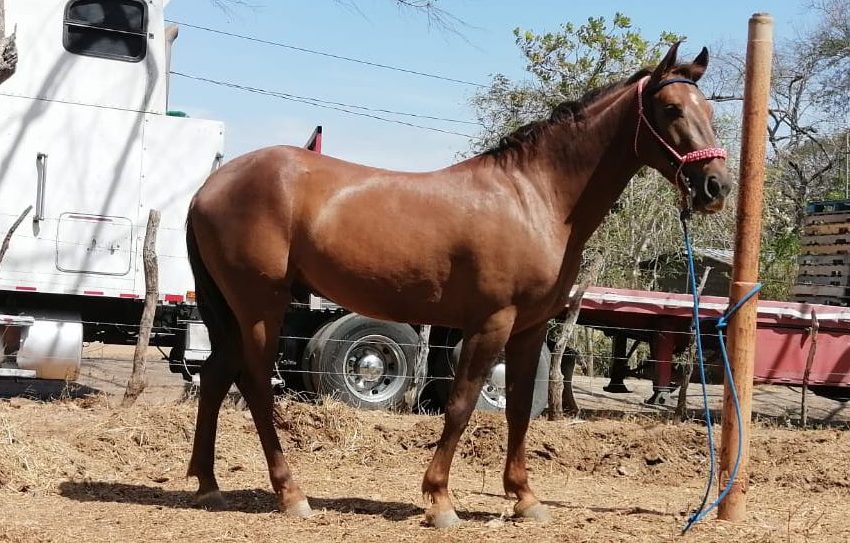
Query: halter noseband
x,y
694,156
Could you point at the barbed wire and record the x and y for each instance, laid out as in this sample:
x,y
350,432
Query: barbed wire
x,y
582,353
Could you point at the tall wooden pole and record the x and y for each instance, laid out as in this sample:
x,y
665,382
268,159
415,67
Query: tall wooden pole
x,y
742,328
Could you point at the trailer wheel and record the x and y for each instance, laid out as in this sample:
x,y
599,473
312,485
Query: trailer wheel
x,y
493,394
310,358
363,362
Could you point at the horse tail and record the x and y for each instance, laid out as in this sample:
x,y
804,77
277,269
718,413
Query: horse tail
x,y
215,312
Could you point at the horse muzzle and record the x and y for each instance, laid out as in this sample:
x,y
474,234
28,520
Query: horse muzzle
x,y
709,190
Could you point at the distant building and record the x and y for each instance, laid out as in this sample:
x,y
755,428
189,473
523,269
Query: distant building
x,y
670,271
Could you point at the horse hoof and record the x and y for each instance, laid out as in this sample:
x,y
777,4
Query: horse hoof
x,y
299,509
442,519
210,500
537,512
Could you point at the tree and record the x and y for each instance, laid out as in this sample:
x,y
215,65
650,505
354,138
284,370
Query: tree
x,y
809,107
563,66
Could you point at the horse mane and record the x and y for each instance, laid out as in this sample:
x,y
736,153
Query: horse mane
x,y
525,137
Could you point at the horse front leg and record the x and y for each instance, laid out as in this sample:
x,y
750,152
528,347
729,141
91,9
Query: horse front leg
x,y
480,347
522,354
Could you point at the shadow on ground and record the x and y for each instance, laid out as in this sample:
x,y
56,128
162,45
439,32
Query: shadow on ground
x,y
246,501
44,390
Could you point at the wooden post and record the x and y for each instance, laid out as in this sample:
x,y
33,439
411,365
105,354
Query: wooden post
x,y
688,369
742,328
804,406
589,361
11,232
137,382
420,368
556,377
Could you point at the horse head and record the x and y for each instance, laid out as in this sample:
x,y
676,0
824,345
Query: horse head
x,y
675,134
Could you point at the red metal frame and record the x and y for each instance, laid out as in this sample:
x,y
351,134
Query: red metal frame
x,y
782,337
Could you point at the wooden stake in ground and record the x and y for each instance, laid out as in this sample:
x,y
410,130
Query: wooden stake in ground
x,y
556,376
411,397
742,327
688,370
11,232
804,407
137,382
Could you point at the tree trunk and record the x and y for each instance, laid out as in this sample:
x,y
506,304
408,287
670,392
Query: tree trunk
x,y
804,406
557,390
11,232
688,368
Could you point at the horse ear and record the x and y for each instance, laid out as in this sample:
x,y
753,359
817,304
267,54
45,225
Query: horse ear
x,y
699,65
667,63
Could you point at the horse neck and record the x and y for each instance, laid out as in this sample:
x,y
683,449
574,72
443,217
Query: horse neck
x,y
591,162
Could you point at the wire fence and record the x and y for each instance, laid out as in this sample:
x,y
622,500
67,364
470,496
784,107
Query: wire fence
x,y
106,367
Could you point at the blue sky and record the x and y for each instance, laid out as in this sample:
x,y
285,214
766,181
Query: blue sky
x,y
378,31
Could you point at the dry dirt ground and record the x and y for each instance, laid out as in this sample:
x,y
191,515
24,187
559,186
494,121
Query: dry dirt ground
x,y
86,470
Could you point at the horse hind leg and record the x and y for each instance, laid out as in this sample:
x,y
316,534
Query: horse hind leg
x,y
478,353
522,356
217,375
260,341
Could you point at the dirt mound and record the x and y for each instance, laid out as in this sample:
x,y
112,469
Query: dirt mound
x,y
75,471
329,426
815,460
638,447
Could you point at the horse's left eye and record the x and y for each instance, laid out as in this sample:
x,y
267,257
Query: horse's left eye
x,y
672,111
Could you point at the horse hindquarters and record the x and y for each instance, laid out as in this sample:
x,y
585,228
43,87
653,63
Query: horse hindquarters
x,y
243,308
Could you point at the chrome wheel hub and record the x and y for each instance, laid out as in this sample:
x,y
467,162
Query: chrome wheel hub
x,y
375,368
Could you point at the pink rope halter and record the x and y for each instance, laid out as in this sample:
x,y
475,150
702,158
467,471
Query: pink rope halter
x,y
694,156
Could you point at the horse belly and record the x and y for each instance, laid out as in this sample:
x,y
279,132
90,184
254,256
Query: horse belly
x,y
405,275
402,293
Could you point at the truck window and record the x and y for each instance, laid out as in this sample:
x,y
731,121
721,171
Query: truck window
x,y
113,29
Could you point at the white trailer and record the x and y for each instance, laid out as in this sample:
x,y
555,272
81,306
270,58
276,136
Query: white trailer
x,y
87,140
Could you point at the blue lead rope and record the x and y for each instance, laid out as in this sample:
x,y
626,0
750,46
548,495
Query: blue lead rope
x,y
721,325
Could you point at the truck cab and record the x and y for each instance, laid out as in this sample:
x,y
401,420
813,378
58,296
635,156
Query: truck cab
x,y
87,147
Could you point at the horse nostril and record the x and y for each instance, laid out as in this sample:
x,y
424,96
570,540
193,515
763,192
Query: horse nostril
x,y
715,187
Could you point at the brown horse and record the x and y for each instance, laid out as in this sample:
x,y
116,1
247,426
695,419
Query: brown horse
x,y
490,246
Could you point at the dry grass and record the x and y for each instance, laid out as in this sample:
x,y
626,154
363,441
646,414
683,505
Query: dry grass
x,y
85,470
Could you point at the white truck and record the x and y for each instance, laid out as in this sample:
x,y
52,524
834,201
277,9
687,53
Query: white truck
x,y
88,141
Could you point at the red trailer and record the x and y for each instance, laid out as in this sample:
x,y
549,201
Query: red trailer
x,y
663,321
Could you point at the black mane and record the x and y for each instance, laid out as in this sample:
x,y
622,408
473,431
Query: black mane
x,y
566,112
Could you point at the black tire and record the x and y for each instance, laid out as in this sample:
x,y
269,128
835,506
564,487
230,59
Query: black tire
x,y
177,362
310,359
363,362
490,400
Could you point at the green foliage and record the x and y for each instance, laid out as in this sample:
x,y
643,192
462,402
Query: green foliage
x,y
563,65
778,265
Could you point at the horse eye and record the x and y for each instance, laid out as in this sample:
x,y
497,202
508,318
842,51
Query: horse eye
x,y
672,111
